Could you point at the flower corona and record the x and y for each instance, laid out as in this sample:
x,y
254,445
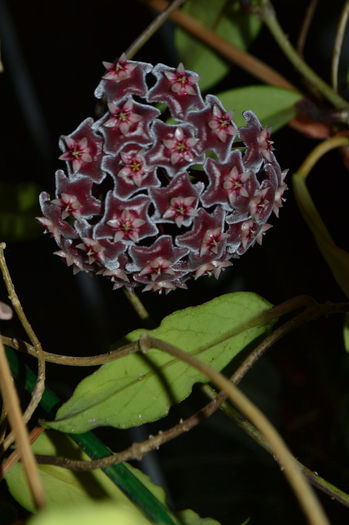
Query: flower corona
x,y
152,203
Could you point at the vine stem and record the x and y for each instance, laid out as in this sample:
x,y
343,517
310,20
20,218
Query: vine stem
x,y
338,43
305,494
302,489
152,28
309,13
336,258
139,307
14,414
319,151
245,60
266,12
40,384
139,450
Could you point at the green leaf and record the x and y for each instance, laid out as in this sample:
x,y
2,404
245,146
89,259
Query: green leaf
x,y
89,513
346,332
228,21
274,106
189,517
122,474
65,487
18,208
141,388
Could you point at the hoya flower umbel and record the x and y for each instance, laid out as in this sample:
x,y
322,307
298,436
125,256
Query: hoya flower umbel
x,y
151,202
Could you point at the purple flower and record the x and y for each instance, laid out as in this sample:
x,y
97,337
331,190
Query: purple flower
x,y
152,204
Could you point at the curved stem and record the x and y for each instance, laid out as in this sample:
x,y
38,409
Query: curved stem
x,y
267,14
245,60
317,481
338,43
319,151
14,414
152,28
309,13
40,383
302,489
139,307
69,360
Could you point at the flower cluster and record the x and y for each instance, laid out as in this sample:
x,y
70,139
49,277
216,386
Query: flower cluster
x,y
152,203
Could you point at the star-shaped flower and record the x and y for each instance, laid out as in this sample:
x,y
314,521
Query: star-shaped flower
x,y
126,221
257,139
74,196
53,221
102,253
158,261
178,201
216,130
174,147
130,171
244,234
118,276
127,122
207,234
262,202
178,89
123,78
230,184
83,151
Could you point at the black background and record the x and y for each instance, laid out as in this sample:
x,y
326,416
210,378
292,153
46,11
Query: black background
x,y
301,383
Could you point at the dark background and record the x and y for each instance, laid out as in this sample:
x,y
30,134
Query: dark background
x,y
52,53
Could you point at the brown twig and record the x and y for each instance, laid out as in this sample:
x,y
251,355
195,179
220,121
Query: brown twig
x,y
14,414
68,360
96,360
40,383
305,495
139,450
15,456
303,33
243,59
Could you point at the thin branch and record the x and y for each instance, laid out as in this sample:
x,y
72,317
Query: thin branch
x,y
305,494
319,151
15,456
243,59
308,17
266,12
139,307
40,383
96,360
317,481
152,28
139,450
338,43
67,360
19,429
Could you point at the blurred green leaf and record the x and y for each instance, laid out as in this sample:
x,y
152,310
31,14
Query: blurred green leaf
x,y
18,208
228,21
89,513
274,106
65,487
346,332
141,388
189,517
